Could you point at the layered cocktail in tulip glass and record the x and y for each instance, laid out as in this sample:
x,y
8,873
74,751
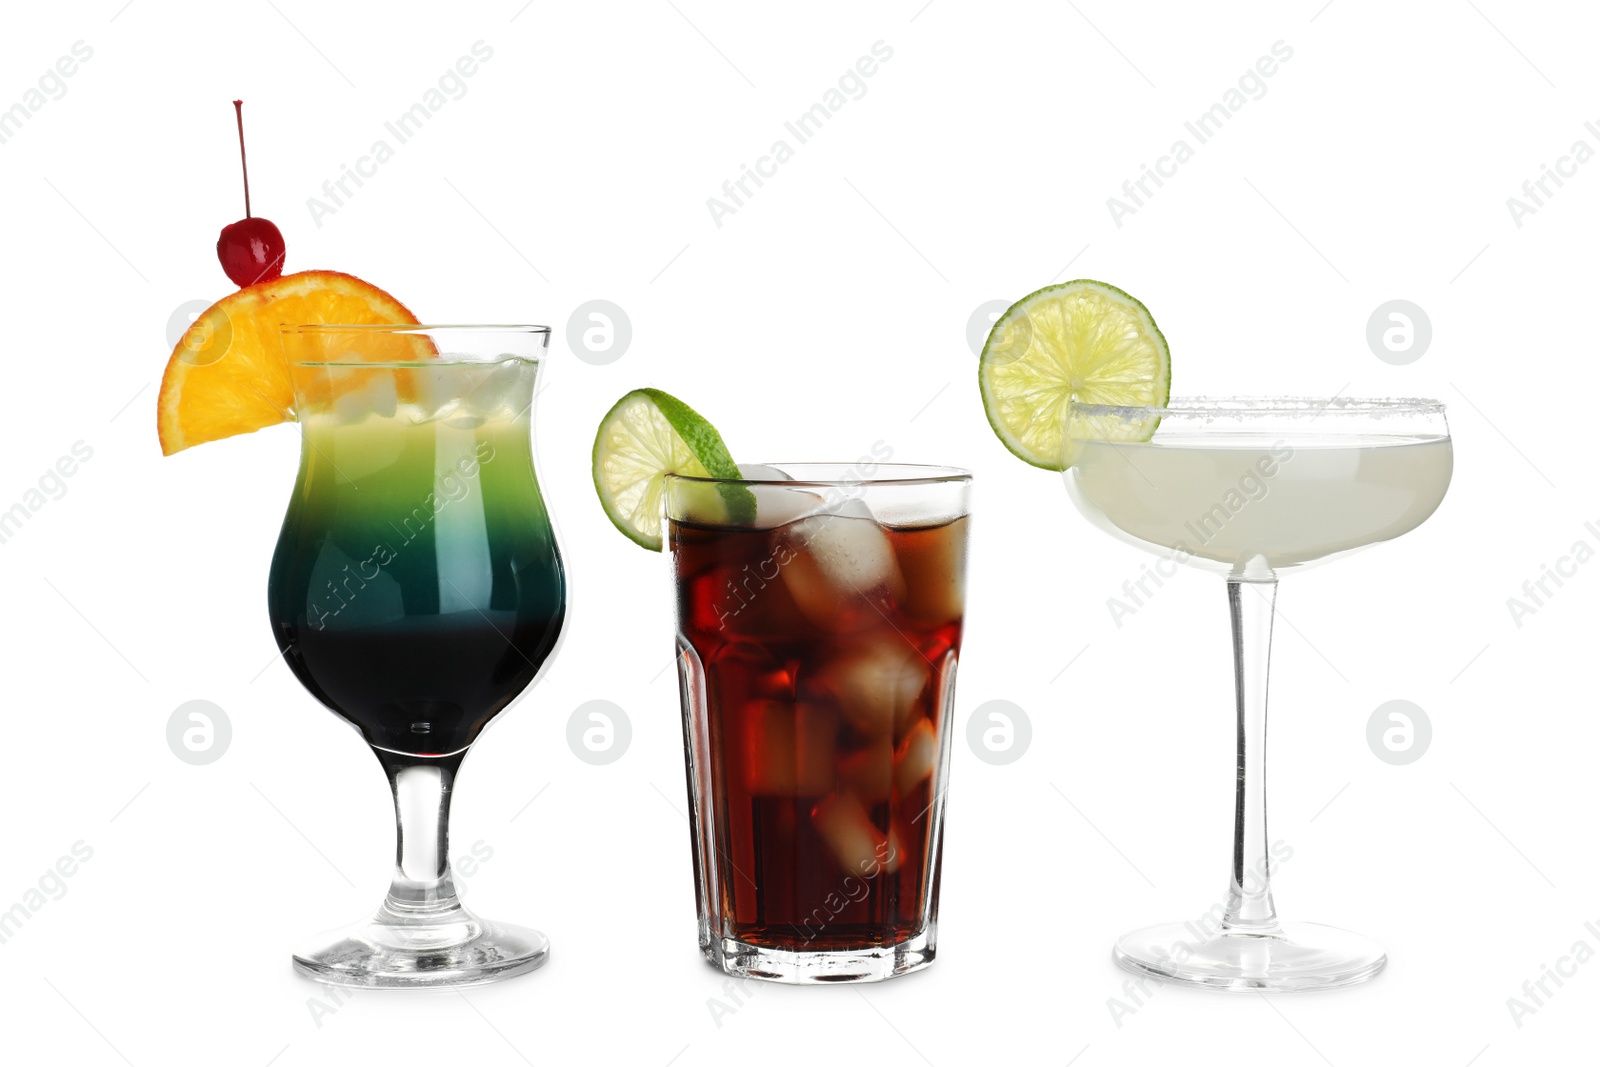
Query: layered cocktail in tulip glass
x,y
1249,489
416,591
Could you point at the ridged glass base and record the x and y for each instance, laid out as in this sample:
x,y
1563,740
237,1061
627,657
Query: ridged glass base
x,y
874,964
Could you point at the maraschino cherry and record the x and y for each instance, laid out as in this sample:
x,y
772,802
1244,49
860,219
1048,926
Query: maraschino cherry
x,y
251,250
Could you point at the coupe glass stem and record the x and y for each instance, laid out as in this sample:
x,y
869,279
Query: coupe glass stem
x,y
1250,604
422,785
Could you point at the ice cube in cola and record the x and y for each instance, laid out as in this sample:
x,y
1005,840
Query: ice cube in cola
x,y
826,641
839,567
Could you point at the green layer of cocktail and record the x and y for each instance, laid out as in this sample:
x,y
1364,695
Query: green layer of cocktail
x,y
416,588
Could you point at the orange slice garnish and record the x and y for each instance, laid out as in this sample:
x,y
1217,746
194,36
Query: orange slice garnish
x,y
228,373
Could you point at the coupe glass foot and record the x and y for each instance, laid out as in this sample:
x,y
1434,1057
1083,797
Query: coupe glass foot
x,y
1287,958
460,950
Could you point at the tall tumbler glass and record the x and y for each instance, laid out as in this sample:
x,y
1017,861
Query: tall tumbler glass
x,y
416,591
817,655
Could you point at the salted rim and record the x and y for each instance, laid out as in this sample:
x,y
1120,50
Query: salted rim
x,y
1251,407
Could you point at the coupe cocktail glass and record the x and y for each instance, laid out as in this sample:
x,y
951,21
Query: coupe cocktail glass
x,y
817,654
1250,488
416,591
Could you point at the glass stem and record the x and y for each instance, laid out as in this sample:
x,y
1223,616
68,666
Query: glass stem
x,y
1250,604
421,887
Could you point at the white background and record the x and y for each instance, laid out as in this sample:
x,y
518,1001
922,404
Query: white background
x,y
829,312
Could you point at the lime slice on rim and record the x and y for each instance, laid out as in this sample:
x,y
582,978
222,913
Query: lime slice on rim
x,y
1082,341
646,436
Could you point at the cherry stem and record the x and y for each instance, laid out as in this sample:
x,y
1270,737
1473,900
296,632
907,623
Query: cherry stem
x,y
238,112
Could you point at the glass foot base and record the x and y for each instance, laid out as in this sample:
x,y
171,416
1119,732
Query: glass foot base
x,y
744,960
1292,957
461,950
